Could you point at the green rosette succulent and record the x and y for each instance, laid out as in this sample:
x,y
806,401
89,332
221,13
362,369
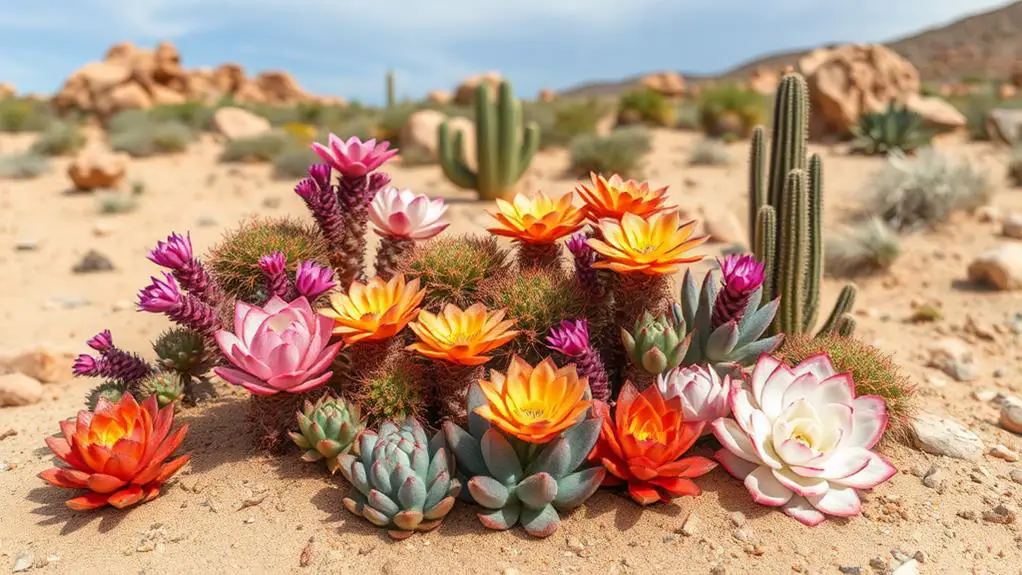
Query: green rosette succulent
x,y
401,479
733,344
182,350
112,391
327,429
518,482
167,386
657,344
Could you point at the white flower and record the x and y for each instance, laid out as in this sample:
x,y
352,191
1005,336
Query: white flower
x,y
703,395
404,214
801,440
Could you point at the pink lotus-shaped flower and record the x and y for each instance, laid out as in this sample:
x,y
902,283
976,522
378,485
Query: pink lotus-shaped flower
x,y
703,394
801,440
403,214
279,347
354,157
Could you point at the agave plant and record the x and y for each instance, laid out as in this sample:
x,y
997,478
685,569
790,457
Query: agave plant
x,y
657,344
896,128
328,429
732,344
520,482
402,480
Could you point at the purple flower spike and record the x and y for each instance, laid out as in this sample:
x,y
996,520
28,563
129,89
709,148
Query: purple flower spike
x,y
102,341
160,296
741,276
307,189
164,296
584,257
85,366
176,255
274,267
320,174
570,338
354,158
313,280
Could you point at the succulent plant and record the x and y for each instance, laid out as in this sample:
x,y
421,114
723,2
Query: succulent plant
x,y
328,429
393,392
452,267
896,128
519,482
182,350
167,386
733,344
402,480
112,391
657,344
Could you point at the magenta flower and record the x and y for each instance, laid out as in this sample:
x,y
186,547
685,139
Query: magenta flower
x,y
102,341
85,366
164,296
353,157
281,347
176,255
274,268
742,275
113,363
313,280
160,296
570,338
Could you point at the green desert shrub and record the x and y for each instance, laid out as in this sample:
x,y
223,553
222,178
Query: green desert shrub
x,y
140,136
262,148
362,127
391,121
686,116
59,139
866,247
453,267
645,106
24,115
23,166
895,128
731,111
620,152
976,109
910,193
293,163
196,115
709,153
111,203
1015,166
234,262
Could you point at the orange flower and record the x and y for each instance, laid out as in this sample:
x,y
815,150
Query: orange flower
x,y
374,311
535,404
461,337
117,453
613,198
537,219
643,443
653,246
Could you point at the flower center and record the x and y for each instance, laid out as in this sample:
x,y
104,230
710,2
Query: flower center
x,y
110,434
279,323
531,411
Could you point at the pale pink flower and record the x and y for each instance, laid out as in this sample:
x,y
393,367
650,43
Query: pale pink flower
x,y
404,214
354,157
702,392
279,347
801,439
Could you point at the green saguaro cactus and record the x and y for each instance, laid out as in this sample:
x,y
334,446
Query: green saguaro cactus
x,y
391,97
503,148
785,210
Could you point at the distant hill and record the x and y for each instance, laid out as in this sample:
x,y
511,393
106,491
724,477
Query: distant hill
x,y
984,46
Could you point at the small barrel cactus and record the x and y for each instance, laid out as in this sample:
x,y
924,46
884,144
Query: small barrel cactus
x,y
328,429
519,482
657,344
112,391
182,350
402,480
734,343
167,386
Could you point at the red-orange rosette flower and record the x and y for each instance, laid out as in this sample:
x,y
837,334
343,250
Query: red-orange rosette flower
x,y
642,443
117,452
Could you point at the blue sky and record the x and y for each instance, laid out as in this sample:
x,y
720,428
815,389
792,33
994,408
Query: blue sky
x,y
344,48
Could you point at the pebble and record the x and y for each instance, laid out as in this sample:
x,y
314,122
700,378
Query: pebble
x,y
878,564
66,302
910,567
935,479
941,436
1016,476
1011,226
575,545
850,570
1011,417
1001,514
103,229
23,562
954,357
737,518
26,245
206,221
19,389
122,305
984,395
1003,452
93,262
692,525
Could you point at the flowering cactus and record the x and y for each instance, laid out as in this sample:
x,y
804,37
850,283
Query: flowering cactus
x,y
401,480
113,363
313,280
274,268
182,350
328,429
279,347
571,338
401,218
164,296
119,453
801,440
353,158
657,344
702,392
520,482
535,222
176,255
613,198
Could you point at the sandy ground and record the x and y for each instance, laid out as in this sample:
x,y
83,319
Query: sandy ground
x,y
233,509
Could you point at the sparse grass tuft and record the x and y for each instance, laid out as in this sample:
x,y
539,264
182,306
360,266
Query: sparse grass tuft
x,y
59,139
23,166
261,148
141,136
867,247
24,115
709,153
620,152
293,163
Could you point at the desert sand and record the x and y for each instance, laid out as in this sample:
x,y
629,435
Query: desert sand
x,y
234,509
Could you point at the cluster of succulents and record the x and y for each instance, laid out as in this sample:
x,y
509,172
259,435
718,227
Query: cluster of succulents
x,y
380,371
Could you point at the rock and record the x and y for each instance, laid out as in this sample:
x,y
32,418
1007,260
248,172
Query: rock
x,y
26,245
935,479
129,96
1011,226
737,518
953,357
910,567
1002,514
999,267
1003,452
43,363
850,80
546,96
764,81
692,525
237,123
936,112
984,395
23,562
7,90
1011,417
1004,125
92,262
439,97
722,225
988,213
1016,476
465,93
420,131
19,389
940,436
96,169
670,84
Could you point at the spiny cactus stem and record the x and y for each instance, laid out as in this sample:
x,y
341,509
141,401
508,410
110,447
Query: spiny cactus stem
x,y
590,365
390,253
448,390
757,198
539,256
270,417
638,293
843,306
368,356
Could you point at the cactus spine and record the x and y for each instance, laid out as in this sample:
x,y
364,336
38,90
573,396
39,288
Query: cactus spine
x,y
785,209
391,97
502,154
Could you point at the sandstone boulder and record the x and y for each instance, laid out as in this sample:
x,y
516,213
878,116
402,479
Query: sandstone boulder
x,y
96,169
936,113
764,81
465,93
546,96
237,123
1004,125
7,90
19,389
670,84
421,132
999,267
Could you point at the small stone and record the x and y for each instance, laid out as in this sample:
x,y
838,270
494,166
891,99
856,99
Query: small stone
x,y
8,433
921,470
968,515
878,564
670,538
850,570
575,545
935,479
984,395
910,567
954,357
271,202
207,221
122,305
745,535
999,267
988,213
19,389
26,245
1001,514
941,436
249,520
93,262
737,518
43,363
1016,476
366,549
1011,226
1003,452
692,525
920,556
103,229
1011,417
23,562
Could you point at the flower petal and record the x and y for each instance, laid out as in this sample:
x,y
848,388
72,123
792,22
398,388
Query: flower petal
x,y
801,485
799,508
874,473
837,501
766,489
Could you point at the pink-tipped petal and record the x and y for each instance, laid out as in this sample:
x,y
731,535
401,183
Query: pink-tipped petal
x,y
735,440
804,486
877,471
800,509
736,466
766,489
837,501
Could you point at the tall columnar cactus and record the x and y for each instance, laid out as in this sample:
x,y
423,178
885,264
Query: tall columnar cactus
x,y
785,209
391,98
502,152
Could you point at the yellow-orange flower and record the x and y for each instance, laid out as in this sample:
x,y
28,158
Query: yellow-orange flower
x,y
461,336
657,245
613,198
374,311
535,404
537,218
